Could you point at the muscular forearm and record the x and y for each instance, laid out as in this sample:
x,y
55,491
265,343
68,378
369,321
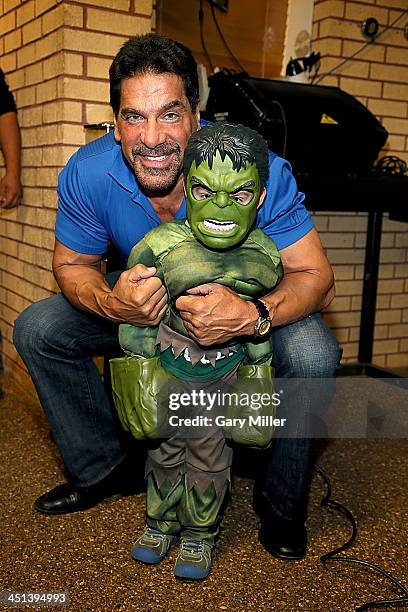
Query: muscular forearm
x,y
85,287
298,295
213,314
138,296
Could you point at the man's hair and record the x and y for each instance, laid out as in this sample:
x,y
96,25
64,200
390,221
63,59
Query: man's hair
x,y
241,144
150,53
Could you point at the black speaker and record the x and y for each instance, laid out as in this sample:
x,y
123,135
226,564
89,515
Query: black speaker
x,y
320,130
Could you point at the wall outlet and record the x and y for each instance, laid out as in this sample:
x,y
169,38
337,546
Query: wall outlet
x,y
221,4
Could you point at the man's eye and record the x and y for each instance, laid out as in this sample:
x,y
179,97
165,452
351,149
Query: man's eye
x,y
133,118
171,116
200,193
242,197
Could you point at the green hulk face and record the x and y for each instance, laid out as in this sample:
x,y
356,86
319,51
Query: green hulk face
x,y
222,202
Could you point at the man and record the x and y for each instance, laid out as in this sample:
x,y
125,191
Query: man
x,y
10,144
117,188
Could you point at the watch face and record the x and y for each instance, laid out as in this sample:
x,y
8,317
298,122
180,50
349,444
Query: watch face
x,y
264,328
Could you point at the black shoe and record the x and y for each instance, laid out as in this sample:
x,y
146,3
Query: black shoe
x,y
284,539
67,497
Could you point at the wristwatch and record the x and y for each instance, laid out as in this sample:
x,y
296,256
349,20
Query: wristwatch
x,y
264,324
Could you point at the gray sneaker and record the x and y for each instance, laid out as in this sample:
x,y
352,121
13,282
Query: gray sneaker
x,y
153,546
194,559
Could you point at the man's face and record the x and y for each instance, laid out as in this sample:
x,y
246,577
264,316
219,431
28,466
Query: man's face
x,y
153,125
221,202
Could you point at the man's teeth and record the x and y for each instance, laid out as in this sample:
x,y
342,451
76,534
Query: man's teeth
x,y
219,226
155,157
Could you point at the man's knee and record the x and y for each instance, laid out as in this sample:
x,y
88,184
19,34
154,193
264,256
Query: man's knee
x,y
26,330
307,349
33,326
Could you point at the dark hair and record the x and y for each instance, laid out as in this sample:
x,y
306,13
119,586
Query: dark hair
x,y
241,144
156,54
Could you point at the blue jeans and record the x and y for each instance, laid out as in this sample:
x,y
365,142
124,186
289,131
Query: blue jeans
x,y
57,341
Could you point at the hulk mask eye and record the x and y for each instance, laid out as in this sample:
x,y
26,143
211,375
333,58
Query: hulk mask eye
x,y
201,193
242,197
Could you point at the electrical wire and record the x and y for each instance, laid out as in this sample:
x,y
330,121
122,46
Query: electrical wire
x,y
322,76
285,127
223,39
201,21
390,165
332,555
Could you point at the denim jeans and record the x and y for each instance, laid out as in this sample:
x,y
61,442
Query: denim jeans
x,y
57,341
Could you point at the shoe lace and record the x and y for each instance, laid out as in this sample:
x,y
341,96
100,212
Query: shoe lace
x,y
152,534
194,548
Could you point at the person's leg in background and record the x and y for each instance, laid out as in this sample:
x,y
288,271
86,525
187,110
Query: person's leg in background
x,y
303,351
56,342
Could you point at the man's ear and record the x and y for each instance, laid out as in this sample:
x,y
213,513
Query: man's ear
x,y
261,198
116,132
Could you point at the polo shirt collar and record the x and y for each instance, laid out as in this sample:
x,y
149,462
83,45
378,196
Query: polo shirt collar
x,y
120,171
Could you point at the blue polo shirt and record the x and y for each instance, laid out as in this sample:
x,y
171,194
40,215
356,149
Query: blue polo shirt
x,y
99,200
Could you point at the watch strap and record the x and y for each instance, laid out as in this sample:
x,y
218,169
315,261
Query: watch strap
x,y
262,309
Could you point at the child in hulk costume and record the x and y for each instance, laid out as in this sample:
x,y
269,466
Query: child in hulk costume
x,y
225,172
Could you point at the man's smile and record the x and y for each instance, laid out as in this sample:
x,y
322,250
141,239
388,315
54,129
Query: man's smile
x,y
155,157
155,161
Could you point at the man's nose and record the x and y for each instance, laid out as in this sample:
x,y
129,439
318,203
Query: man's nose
x,y
151,134
222,199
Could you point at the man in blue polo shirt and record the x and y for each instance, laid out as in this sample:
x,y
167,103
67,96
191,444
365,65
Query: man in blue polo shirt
x,y
116,189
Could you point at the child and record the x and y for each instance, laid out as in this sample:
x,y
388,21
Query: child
x,y
225,172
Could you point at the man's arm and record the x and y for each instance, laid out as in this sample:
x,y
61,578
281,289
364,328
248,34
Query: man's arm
x,y
10,143
214,314
138,296
307,285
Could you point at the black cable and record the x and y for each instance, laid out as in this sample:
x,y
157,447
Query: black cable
x,y
316,72
201,20
223,39
285,127
361,48
248,93
331,556
390,165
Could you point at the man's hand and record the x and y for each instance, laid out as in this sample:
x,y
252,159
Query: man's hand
x,y
138,297
10,191
213,314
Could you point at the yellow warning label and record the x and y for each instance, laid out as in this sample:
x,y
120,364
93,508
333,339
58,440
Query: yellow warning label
x,y
326,119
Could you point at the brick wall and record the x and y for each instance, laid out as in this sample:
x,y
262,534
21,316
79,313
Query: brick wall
x,y
56,56
378,77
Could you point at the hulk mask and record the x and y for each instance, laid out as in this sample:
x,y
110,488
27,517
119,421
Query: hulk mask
x,y
225,171
222,202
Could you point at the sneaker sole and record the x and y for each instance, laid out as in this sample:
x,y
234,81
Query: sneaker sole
x,y
191,578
